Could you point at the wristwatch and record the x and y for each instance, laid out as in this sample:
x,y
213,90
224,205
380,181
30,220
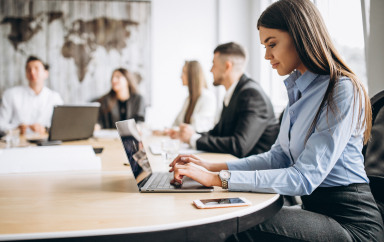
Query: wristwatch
x,y
224,177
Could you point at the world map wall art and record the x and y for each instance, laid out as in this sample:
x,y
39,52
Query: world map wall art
x,y
82,41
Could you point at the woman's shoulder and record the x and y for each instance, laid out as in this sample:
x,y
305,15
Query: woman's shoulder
x,y
137,97
344,90
344,84
103,98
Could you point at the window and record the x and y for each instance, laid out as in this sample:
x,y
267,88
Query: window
x,y
343,19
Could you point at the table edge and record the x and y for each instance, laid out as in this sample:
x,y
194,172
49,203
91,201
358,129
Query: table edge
x,y
142,229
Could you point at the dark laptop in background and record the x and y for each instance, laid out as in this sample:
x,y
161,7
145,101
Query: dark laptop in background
x,y
148,181
71,122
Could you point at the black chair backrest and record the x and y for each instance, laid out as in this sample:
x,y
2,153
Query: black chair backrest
x,y
373,151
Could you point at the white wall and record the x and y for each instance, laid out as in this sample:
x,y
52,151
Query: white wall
x,y
191,29
182,30
375,50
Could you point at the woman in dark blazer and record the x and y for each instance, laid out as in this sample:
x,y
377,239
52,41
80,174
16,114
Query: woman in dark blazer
x,y
122,102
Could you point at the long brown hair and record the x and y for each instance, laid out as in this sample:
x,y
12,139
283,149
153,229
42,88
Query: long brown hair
x,y
132,86
196,83
302,20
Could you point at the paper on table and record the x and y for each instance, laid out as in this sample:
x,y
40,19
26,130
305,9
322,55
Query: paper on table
x,y
184,149
106,133
50,158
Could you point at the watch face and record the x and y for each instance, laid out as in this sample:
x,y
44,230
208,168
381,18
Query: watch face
x,y
225,174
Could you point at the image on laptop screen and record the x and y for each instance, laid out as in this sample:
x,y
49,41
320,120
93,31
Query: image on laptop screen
x,y
148,181
134,149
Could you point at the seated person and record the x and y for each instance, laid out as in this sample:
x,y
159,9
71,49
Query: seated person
x,y
199,107
122,102
29,107
317,154
247,124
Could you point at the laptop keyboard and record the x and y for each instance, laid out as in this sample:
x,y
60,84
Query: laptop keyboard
x,y
162,181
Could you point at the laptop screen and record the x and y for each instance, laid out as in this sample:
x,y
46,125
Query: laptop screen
x,y
134,149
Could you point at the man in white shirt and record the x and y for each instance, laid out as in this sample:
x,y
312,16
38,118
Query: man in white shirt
x,y
247,123
29,107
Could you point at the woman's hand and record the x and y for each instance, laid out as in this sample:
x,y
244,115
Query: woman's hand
x,y
184,159
173,133
186,131
195,172
158,132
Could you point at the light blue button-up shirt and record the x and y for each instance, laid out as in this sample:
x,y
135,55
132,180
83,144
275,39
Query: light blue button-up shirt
x,y
330,157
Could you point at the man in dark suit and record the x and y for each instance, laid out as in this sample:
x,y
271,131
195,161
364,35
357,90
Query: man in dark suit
x,y
247,124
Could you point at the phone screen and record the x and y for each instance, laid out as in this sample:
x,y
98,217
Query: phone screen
x,y
234,200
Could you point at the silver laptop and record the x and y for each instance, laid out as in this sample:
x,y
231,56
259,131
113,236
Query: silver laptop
x,y
71,122
148,181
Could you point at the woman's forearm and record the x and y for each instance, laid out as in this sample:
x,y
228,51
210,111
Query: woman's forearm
x,y
217,166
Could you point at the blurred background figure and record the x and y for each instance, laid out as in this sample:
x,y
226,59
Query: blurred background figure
x,y
29,108
199,107
122,102
247,123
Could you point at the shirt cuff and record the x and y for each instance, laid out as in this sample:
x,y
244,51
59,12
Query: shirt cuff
x,y
193,139
246,181
242,181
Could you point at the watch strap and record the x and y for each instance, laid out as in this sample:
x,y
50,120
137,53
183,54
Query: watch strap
x,y
224,184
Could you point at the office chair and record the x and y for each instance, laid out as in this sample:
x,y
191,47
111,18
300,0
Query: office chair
x,y
373,151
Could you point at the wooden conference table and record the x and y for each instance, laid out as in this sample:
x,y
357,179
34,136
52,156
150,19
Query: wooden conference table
x,y
106,205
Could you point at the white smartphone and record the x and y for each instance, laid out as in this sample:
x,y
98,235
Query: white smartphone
x,y
221,202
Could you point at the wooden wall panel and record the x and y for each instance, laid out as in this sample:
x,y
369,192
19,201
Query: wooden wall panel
x,y
82,41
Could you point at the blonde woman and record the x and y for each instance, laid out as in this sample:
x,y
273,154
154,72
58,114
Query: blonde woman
x,y
199,107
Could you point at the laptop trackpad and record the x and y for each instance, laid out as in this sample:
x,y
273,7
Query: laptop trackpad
x,y
189,183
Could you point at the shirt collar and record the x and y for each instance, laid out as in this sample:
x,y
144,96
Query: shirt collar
x,y
301,81
229,93
30,91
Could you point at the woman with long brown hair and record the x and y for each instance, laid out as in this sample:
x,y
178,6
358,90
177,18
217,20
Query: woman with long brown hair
x,y
318,151
123,100
200,105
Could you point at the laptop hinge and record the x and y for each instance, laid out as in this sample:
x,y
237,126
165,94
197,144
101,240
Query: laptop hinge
x,y
142,182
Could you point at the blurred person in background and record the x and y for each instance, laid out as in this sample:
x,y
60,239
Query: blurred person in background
x,y
29,108
247,124
199,107
122,102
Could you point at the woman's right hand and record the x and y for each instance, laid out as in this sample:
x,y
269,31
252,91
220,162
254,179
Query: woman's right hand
x,y
184,159
165,132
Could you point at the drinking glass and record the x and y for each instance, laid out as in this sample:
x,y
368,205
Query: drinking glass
x,y
170,149
12,138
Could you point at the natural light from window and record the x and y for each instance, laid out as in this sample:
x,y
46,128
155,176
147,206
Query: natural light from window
x,y
346,30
